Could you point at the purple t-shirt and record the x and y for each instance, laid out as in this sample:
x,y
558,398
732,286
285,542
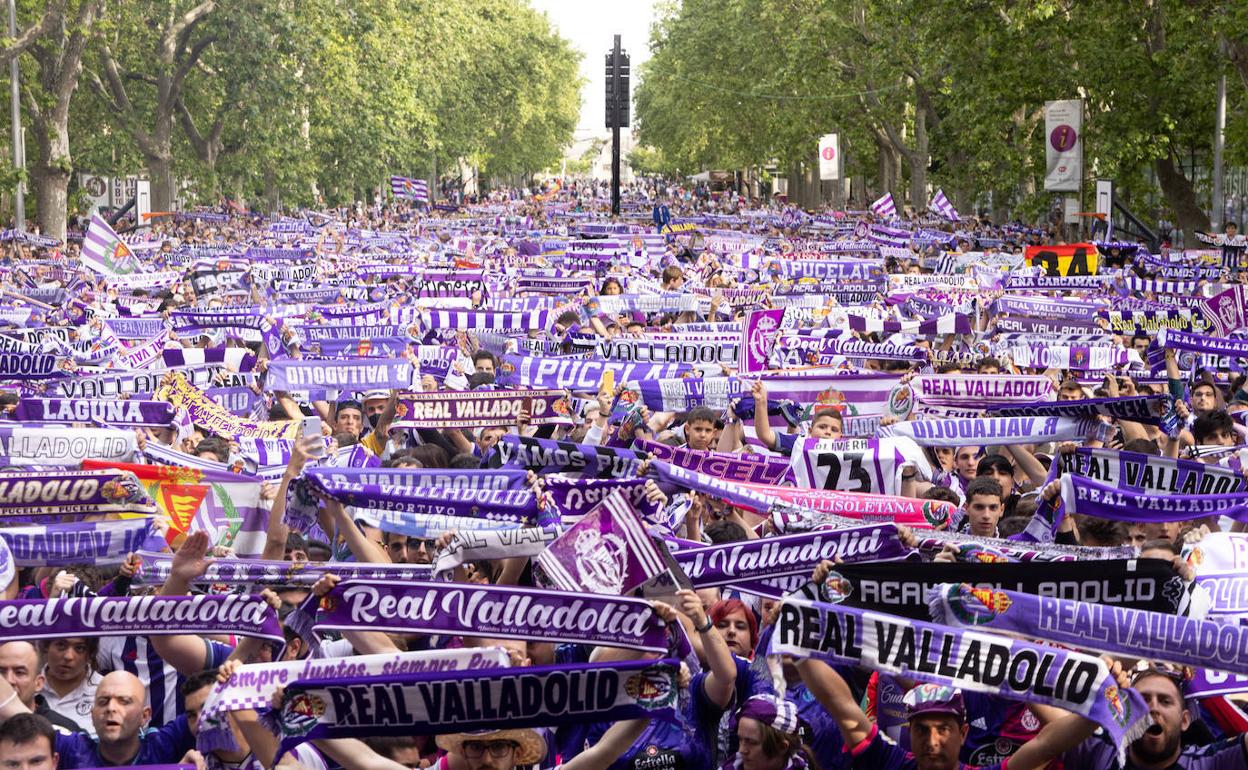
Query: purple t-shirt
x,y
1097,754
162,746
879,753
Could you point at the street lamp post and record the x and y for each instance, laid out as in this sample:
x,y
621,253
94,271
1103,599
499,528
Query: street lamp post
x,y
19,159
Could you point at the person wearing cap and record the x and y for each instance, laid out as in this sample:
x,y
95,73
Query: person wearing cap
x,y
936,716
768,736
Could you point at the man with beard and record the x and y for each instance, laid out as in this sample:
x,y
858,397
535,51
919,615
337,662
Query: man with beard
x,y
1161,747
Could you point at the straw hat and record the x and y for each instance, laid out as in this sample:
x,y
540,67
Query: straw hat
x,y
532,744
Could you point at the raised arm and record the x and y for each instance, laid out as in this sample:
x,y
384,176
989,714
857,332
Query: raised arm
x,y
609,747
837,699
188,653
1057,738
721,678
762,419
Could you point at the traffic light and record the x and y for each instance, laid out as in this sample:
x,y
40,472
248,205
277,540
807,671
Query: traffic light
x,y
617,108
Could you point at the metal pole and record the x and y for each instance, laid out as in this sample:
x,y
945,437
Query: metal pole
x,y
615,127
19,159
1219,142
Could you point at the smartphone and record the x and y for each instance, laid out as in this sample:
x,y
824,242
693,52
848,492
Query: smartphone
x,y
312,427
608,382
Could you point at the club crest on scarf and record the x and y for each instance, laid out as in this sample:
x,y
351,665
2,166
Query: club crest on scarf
x,y
973,552
835,588
901,401
651,687
936,515
601,561
123,489
977,606
1119,707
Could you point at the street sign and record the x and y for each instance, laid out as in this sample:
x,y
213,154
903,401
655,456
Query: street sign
x,y
829,157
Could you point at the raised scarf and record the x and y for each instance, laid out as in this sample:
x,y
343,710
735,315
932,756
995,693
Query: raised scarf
x,y
756,469
1092,498
155,568
482,409
1110,629
205,412
344,374
980,390
98,616
504,698
112,412
447,478
989,431
1145,584
511,505
545,456
64,493
58,445
969,660
578,374
749,560
502,612
252,686
76,543
500,544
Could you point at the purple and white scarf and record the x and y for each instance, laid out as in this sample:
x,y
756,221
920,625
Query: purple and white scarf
x,y
989,431
98,616
1110,629
75,543
981,390
482,409
346,374
157,567
63,493
111,412
768,557
508,698
499,544
579,375
1091,498
252,686
544,456
493,611
970,660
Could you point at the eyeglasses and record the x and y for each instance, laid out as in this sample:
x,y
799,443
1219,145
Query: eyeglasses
x,y
497,749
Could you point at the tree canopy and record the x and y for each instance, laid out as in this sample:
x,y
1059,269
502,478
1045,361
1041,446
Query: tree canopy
x,y
299,102
950,93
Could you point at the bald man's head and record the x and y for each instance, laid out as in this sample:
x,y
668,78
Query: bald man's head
x,y
119,711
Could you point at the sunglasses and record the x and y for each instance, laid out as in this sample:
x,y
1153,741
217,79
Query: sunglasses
x,y
1176,674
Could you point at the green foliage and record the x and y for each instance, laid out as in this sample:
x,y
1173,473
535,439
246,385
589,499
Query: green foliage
x,y
737,83
309,102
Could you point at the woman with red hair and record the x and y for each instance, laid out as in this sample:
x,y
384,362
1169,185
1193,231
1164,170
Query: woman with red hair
x,y
737,625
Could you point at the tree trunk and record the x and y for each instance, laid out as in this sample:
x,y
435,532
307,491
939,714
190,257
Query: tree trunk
x,y
270,191
160,173
52,196
919,157
1181,197
50,174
